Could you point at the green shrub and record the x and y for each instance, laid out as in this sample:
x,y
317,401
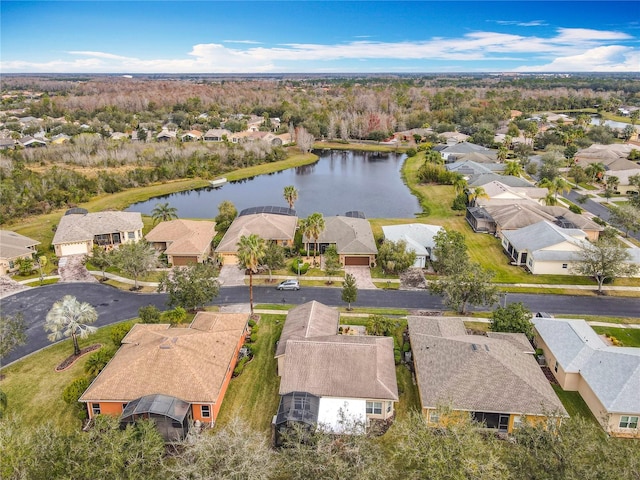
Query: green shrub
x,y
74,391
149,314
304,267
252,323
175,316
240,366
575,208
119,331
411,152
253,337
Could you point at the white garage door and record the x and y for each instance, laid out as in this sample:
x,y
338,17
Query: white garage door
x,y
74,249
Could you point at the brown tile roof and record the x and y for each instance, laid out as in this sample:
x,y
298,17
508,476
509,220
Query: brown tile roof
x,y
186,363
266,225
311,319
341,366
82,227
477,373
184,237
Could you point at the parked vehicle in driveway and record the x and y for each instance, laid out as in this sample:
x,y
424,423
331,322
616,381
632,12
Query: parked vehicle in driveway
x,y
289,285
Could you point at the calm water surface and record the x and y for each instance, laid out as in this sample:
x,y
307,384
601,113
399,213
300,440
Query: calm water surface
x,y
336,183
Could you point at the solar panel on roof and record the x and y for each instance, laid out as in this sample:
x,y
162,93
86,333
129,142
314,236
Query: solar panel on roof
x,y
355,214
268,209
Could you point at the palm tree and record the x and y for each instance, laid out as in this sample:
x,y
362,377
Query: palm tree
x,y
305,229
503,153
316,227
162,212
459,184
513,168
70,318
476,193
555,186
595,170
290,195
251,251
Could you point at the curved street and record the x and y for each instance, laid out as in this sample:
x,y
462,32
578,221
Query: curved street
x,y
115,305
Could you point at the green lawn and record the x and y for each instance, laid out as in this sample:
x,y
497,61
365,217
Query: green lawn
x,y
253,395
630,337
574,404
34,389
408,391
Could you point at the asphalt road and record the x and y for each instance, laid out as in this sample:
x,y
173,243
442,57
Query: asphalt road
x,y
115,305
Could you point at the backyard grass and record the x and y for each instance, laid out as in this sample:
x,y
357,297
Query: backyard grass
x,y
630,337
574,404
361,147
598,318
408,391
253,395
434,199
34,389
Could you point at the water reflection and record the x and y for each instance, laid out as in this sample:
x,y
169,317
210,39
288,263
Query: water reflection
x,y
338,182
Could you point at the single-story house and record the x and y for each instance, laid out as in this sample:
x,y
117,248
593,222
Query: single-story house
x,y
78,231
544,248
166,135
183,241
216,135
352,237
496,217
61,139
419,238
614,159
607,377
13,247
274,224
191,136
32,142
469,167
495,379
482,179
496,190
452,153
7,143
339,383
176,376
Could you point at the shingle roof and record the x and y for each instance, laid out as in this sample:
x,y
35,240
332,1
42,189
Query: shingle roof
x,y
477,373
417,235
309,320
265,225
543,235
341,366
186,363
469,167
612,373
79,228
184,237
351,235
481,179
13,244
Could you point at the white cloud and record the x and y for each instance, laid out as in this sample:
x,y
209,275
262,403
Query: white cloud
x,y
532,23
569,50
612,58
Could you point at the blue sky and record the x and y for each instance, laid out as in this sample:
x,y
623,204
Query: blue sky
x,y
318,37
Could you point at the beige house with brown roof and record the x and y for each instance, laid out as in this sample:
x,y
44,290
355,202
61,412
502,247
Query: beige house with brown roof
x,y
184,370
335,382
184,242
273,227
14,247
352,237
78,231
495,379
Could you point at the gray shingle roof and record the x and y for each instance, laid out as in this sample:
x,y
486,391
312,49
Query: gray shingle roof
x,y
543,235
417,235
80,228
311,319
477,373
351,235
13,244
612,373
266,225
341,366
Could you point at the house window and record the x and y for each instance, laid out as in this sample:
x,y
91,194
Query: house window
x,y
374,408
555,367
205,410
12,264
434,417
131,235
565,265
628,422
389,404
517,421
95,408
300,403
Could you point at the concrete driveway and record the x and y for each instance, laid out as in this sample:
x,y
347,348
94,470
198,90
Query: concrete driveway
x,y
72,269
231,275
363,277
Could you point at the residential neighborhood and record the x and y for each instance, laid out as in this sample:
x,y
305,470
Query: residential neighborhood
x,y
392,321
